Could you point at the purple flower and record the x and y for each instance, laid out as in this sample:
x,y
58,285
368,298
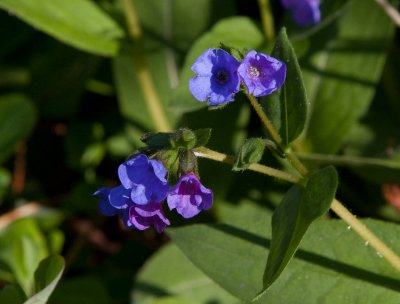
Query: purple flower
x,y
216,79
261,74
138,199
143,180
304,12
139,216
189,196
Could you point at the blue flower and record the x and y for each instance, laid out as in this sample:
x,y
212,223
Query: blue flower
x,y
139,216
304,12
143,180
189,196
261,74
217,80
138,199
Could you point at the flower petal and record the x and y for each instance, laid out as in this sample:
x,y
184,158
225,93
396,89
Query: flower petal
x,y
119,197
104,204
204,63
200,87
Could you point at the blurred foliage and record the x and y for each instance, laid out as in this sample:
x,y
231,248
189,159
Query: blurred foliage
x,y
72,107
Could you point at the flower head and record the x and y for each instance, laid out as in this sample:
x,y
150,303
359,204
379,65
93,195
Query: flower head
x,y
216,79
304,12
138,199
261,74
144,179
189,196
139,216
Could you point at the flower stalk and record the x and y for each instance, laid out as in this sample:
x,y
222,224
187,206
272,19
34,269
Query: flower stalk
x,y
153,102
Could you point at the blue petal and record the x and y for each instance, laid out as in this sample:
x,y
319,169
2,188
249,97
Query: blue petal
x,y
104,204
200,87
204,63
132,170
138,195
119,197
308,13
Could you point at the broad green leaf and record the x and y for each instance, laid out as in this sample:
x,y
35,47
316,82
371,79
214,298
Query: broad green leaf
x,y
11,294
17,119
133,104
22,247
250,152
287,108
80,23
173,18
238,32
82,289
291,219
333,265
170,274
47,276
341,73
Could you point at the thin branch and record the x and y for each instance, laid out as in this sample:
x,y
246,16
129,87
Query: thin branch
x,y
390,11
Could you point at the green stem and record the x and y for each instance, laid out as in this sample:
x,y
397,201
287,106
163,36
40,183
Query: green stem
x,y
267,20
366,234
153,102
336,206
228,159
275,135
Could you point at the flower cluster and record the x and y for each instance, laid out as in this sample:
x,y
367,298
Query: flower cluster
x,y
219,75
304,12
143,188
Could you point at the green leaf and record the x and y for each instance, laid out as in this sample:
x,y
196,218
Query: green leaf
x,y
22,247
79,23
17,119
169,274
287,108
160,140
291,219
250,152
238,32
82,289
127,67
202,137
332,265
12,294
47,276
341,73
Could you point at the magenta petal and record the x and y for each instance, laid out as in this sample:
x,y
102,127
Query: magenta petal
x,y
189,197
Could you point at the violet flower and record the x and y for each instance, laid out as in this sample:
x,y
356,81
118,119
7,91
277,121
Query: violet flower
x,y
189,197
138,216
261,74
138,199
144,179
304,12
217,80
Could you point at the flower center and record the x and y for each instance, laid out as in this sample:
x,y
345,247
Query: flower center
x,y
254,72
222,77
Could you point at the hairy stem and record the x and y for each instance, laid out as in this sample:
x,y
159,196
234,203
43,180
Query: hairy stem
x,y
228,159
153,102
275,135
366,234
